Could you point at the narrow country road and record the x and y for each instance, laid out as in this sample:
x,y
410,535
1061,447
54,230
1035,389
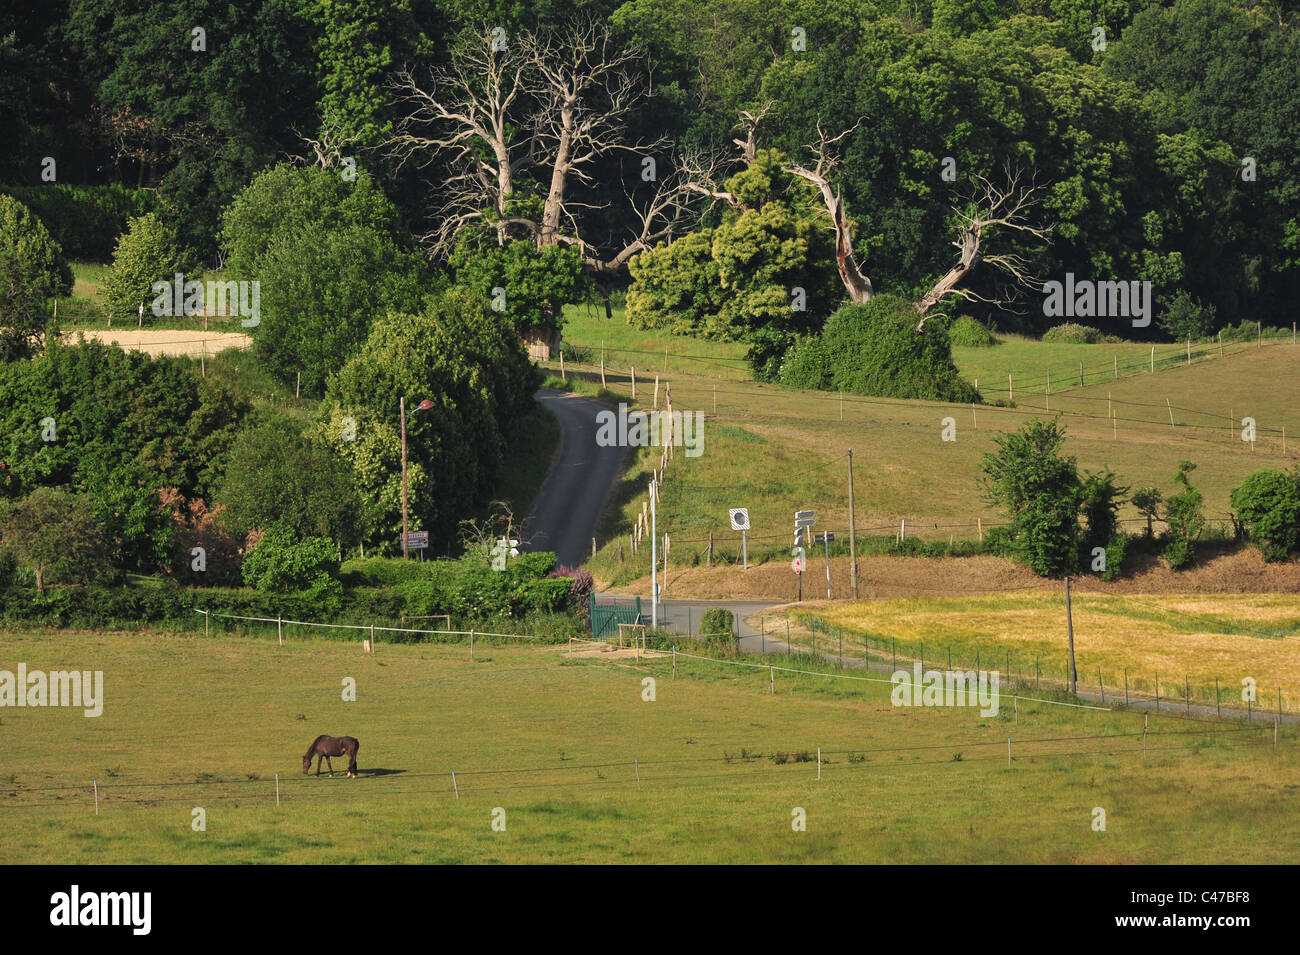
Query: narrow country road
x,y
564,514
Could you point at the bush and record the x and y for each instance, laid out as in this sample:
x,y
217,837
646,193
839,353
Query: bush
x,y
1268,504
282,562
718,629
56,533
969,333
86,220
1186,520
1072,333
1187,317
875,349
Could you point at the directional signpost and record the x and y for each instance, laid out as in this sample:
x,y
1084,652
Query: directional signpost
x,y
803,522
825,538
740,522
416,540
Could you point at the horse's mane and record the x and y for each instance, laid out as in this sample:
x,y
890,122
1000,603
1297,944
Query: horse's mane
x,y
311,750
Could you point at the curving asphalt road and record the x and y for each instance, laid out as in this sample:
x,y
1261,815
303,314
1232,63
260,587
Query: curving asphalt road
x,y
565,511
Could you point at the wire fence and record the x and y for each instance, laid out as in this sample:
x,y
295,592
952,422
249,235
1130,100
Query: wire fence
x,y
1239,699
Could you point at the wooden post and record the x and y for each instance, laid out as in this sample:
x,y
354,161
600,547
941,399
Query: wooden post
x,y
277,790
205,623
297,386
1069,627
709,560
656,404
1260,326
1116,366
665,358
634,383
593,547
1221,343
602,370
771,678
979,523
95,783
1080,374
853,535
279,629
974,420
1171,412
1011,388
819,762
1153,359
471,650
562,375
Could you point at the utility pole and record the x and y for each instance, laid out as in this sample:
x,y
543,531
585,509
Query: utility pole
x,y
401,405
654,558
1069,628
853,536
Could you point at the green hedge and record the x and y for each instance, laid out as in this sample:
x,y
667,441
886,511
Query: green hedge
x,y
85,220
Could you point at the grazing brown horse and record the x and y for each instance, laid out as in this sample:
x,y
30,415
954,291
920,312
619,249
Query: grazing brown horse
x,y
323,747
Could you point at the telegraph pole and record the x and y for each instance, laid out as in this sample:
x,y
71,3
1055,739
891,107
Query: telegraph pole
x,y
654,559
1069,627
853,536
401,405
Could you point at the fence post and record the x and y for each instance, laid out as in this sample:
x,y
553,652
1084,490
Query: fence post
x,y
1102,685
277,790
205,623
279,629
674,661
471,654
634,383
771,676
1126,686
819,762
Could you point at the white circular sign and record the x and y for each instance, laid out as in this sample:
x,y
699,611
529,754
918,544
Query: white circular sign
x,y
740,518
796,565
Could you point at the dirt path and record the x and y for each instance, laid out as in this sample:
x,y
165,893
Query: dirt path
x,y
165,341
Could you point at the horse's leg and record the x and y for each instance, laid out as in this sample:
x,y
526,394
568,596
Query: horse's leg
x,y
318,759
331,765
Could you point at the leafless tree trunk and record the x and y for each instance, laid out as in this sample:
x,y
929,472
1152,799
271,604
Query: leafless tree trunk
x,y
551,108
991,209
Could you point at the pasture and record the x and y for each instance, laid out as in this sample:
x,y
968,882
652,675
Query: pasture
x,y
551,739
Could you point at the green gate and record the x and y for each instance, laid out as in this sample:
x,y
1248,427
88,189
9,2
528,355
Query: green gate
x,y
608,613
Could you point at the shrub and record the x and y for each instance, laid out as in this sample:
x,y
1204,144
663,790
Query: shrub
x,y
282,562
86,220
1186,317
581,586
874,349
969,333
718,629
1071,333
1268,503
1186,520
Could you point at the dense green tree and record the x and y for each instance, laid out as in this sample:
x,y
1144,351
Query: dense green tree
x,y
283,562
469,365
320,291
276,475
285,201
1029,478
32,273
535,283
57,534
1268,504
147,252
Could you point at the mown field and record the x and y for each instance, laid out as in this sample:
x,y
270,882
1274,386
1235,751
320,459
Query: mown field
x,y
192,722
1180,639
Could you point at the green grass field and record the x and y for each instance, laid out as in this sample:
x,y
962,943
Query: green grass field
x,y
192,722
777,450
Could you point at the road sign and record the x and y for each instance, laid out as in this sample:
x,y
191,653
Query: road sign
x,y
740,518
804,515
824,538
415,540
805,522
796,565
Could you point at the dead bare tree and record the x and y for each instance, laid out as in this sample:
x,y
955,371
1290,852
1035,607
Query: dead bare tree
x,y
330,147
856,282
990,210
549,108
